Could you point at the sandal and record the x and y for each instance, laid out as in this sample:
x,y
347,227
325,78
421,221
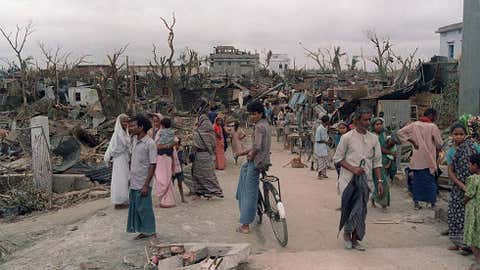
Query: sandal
x,y
359,247
242,230
348,245
143,236
453,248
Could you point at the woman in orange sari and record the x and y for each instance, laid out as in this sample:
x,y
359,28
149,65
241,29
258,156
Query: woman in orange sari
x,y
219,146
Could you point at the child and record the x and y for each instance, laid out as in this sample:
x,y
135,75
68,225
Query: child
x,y
237,136
166,137
179,161
458,171
342,128
472,210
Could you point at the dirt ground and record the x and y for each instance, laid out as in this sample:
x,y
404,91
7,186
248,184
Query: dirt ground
x,y
93,232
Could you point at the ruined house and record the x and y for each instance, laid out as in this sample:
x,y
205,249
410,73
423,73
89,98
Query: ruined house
x,y
279,63
228,61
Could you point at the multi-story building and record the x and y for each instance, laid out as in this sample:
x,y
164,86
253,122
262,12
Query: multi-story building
x,y
226,60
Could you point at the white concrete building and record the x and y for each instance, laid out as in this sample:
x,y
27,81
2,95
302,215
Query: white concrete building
x,y
82,96
279,63
451,38
227,60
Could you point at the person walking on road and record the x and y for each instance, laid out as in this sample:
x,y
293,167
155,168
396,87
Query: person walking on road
x,y
358,153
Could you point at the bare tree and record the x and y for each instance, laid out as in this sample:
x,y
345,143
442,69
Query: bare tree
x,y
268,58
159,64
53,61
171,36
17,43
112,74
337,55
317,56
406,68
383,58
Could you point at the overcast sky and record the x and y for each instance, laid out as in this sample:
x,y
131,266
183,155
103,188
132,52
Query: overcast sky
x,y
96,27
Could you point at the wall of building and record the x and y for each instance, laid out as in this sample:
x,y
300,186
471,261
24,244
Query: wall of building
x,y
453,37
279,63
88,96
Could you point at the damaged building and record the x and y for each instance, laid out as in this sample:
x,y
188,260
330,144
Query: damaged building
x,y
229,61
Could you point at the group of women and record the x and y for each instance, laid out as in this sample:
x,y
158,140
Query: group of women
x,y
208,155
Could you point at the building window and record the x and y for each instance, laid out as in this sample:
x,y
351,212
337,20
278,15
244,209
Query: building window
x,y
229,63
78,97
280,66
219,63
451,50
286,66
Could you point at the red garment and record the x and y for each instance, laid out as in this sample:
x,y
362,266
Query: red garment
x,y
425,119
219,148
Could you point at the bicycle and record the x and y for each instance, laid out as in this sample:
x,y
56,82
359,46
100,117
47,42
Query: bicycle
x,y
270,203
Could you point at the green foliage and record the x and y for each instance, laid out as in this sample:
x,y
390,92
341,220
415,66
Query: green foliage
x,y
446,104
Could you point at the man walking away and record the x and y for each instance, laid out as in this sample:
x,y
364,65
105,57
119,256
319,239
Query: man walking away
x,y
358,153
142,168
427,141
258,160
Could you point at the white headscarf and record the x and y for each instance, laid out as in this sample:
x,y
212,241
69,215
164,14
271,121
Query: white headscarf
x,y
120,141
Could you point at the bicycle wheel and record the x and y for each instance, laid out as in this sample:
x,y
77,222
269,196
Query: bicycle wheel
x,y
260,208
279,224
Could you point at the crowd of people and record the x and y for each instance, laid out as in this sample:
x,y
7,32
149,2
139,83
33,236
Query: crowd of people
x,y
146,154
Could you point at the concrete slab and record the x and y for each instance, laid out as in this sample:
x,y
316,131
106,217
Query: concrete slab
x,y
70,182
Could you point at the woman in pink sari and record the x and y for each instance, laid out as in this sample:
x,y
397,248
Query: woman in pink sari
x,y
219,146
163,171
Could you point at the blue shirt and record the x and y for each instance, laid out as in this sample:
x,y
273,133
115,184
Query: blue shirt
x,y
451,153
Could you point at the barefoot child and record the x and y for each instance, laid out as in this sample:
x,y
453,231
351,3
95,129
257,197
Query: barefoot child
x,y
472,210
179,161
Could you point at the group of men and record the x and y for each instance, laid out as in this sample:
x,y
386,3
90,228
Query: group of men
x,y
360,156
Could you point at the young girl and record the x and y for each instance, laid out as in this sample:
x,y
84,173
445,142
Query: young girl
x,y
472,210
342,128
237,136
384,199
458,171
220,144
178,162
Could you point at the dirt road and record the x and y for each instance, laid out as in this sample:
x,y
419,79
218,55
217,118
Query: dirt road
x,y
95,233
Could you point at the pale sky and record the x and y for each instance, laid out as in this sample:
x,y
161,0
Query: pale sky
x,y
97,27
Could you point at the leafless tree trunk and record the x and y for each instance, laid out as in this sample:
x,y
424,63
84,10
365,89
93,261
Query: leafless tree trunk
x,y
317,56
17,43
159,64
336,60
53,59
406,68
383,58
268,58
171,36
